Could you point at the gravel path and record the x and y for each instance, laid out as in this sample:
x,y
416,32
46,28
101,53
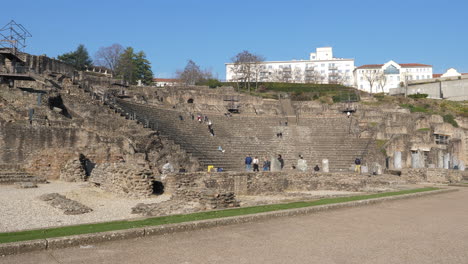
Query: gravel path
x,y
21,210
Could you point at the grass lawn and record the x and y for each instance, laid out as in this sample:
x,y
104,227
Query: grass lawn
x,y
154,221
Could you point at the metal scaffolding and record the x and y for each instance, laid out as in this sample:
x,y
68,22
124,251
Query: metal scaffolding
x,y
13,35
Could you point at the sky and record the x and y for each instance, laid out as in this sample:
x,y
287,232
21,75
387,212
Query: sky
x,y
211,32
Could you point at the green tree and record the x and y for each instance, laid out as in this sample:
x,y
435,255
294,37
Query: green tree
x,y
132,67
143,68
79,58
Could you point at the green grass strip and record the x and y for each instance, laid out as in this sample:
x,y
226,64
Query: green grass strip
x,y
172,219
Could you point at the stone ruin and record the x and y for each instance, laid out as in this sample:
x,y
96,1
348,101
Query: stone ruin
x,y
48,120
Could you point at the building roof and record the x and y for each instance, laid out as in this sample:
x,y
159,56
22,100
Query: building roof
x,y
436,75
403,65
165,80
414,65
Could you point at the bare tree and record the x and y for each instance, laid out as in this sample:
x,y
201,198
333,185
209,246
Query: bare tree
x,y
192,74
382,81
371,76
341,78
246,67
297,75
108,56
313,76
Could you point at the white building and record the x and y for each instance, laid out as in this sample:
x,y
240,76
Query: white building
x,y
377,78
321,67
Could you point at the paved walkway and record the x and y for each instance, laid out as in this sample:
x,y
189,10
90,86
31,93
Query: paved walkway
x,y
432,229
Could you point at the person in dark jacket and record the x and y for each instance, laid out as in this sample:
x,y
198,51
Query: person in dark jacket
x,y
248,163
281,161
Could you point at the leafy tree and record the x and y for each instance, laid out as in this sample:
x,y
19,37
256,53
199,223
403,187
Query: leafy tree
x,y
143,68
79,58
108,56
133,66
126,67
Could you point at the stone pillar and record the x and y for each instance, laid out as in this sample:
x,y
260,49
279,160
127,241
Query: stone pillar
x,y
416,160
275,164
447,161
325,167
440,160
397,160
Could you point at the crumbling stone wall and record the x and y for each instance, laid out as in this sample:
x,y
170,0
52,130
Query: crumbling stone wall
x,y
190,185
73,171
124,178
432,175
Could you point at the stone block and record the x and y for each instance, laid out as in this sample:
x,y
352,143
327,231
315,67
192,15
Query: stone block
x,y
22,247
87,239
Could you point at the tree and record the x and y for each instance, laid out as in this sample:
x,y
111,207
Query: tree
x,y
192,74
132,67
371,76
108,56
79,58
313,76
246,67
143,68
126,67
382,81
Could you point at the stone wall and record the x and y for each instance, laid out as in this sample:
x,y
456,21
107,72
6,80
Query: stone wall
x,y
243,183
432,175
128,179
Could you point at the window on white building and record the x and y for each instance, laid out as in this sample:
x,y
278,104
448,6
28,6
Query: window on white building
x,y
322,65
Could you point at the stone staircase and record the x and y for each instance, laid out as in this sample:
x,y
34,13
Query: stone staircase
x,y
10,174
315,138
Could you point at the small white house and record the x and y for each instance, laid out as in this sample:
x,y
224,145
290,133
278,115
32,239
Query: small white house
x,y
377,78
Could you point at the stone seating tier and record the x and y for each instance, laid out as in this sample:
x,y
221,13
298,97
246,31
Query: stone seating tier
x,y
314,138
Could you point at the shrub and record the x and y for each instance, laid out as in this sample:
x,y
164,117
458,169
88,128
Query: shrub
x,y
417,96
450,119
213,83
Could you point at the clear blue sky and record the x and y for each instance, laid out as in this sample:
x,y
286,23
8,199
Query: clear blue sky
x,y
211,32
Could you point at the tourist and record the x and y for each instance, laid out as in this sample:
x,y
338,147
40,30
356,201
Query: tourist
x,y
181,117
166,168
211,131
357,167
255,164
348,114
221,149
316,168
248,163
266,164
301,164
199,118
219,169
281,161
205,119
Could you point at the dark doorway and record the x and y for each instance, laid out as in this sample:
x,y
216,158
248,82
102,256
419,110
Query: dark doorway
x,y
158,187
190,101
